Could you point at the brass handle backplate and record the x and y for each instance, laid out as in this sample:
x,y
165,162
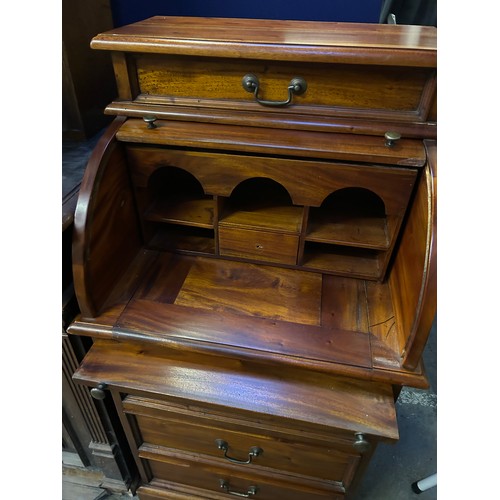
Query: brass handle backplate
x,y
254,451
251,491
296,86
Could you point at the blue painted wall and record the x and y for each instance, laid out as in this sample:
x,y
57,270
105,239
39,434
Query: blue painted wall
x,y
361,11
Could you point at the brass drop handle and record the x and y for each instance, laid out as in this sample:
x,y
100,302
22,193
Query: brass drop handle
x,y
296,86
391,138
251,491
98,392
150,120
360,444
254,451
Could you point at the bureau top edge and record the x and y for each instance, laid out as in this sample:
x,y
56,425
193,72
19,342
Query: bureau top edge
x,y
313,41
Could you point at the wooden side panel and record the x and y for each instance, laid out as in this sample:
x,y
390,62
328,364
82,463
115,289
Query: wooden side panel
x,y
106,231
413,277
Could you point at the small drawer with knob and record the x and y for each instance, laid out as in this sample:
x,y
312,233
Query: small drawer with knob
x,y
258,245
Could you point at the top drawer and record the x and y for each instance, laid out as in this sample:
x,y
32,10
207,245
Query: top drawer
x,y
242,68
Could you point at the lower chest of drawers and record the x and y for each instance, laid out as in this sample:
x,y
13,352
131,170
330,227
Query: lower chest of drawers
x,y
215,428
236,455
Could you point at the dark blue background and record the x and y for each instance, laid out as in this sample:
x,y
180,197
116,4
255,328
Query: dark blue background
x,y
362,11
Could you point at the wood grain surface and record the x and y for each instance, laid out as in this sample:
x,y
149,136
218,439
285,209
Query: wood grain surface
x,y
271,39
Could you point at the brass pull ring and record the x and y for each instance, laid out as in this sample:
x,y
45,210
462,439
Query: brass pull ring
x,y
254,451
251,491
296,86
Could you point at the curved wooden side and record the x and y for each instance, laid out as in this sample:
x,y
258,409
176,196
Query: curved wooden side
x,y
413,279
106,233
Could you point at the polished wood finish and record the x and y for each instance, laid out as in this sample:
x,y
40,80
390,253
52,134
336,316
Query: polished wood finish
x,y
103,250
318,440
415,307
278,119
217,83
279,40
407,152
359,76
260,275
150,372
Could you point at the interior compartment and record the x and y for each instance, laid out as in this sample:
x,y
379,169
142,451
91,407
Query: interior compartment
x,y
261,203
175,195
177,215
344,260
350,216
329,310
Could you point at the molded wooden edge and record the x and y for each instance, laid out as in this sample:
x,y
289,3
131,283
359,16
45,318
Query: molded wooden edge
x,y
412,378
293,395
318,145
83,214
283,52
428,294
355,125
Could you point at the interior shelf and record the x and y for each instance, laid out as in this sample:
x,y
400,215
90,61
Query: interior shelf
x,y
260,216
190,211
180,238
363,232
342,260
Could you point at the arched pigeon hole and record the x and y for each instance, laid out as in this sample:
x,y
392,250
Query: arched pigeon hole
x,y
259,192
176,196
350,216
260,202
354,202
166,182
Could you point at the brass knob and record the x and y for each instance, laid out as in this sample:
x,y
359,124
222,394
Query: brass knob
x,y
98,392
150,120
360,444
391,138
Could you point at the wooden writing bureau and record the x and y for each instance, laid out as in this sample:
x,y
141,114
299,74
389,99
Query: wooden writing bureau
x,y
254,249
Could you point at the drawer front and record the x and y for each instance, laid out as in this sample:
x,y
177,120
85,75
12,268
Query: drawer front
x,y
344,89
196,472
161,490
334,461
258,245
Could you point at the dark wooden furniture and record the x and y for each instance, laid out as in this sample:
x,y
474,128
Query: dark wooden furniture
x,y
94,448
87,75
254,249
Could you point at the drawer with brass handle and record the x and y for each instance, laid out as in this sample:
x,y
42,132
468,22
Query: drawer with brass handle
x,y
249,445
302,73
231,480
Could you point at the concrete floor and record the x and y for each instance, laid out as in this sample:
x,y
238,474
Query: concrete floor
x,y
393,467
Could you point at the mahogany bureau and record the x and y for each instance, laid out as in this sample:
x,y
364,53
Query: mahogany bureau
x,y
254,250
